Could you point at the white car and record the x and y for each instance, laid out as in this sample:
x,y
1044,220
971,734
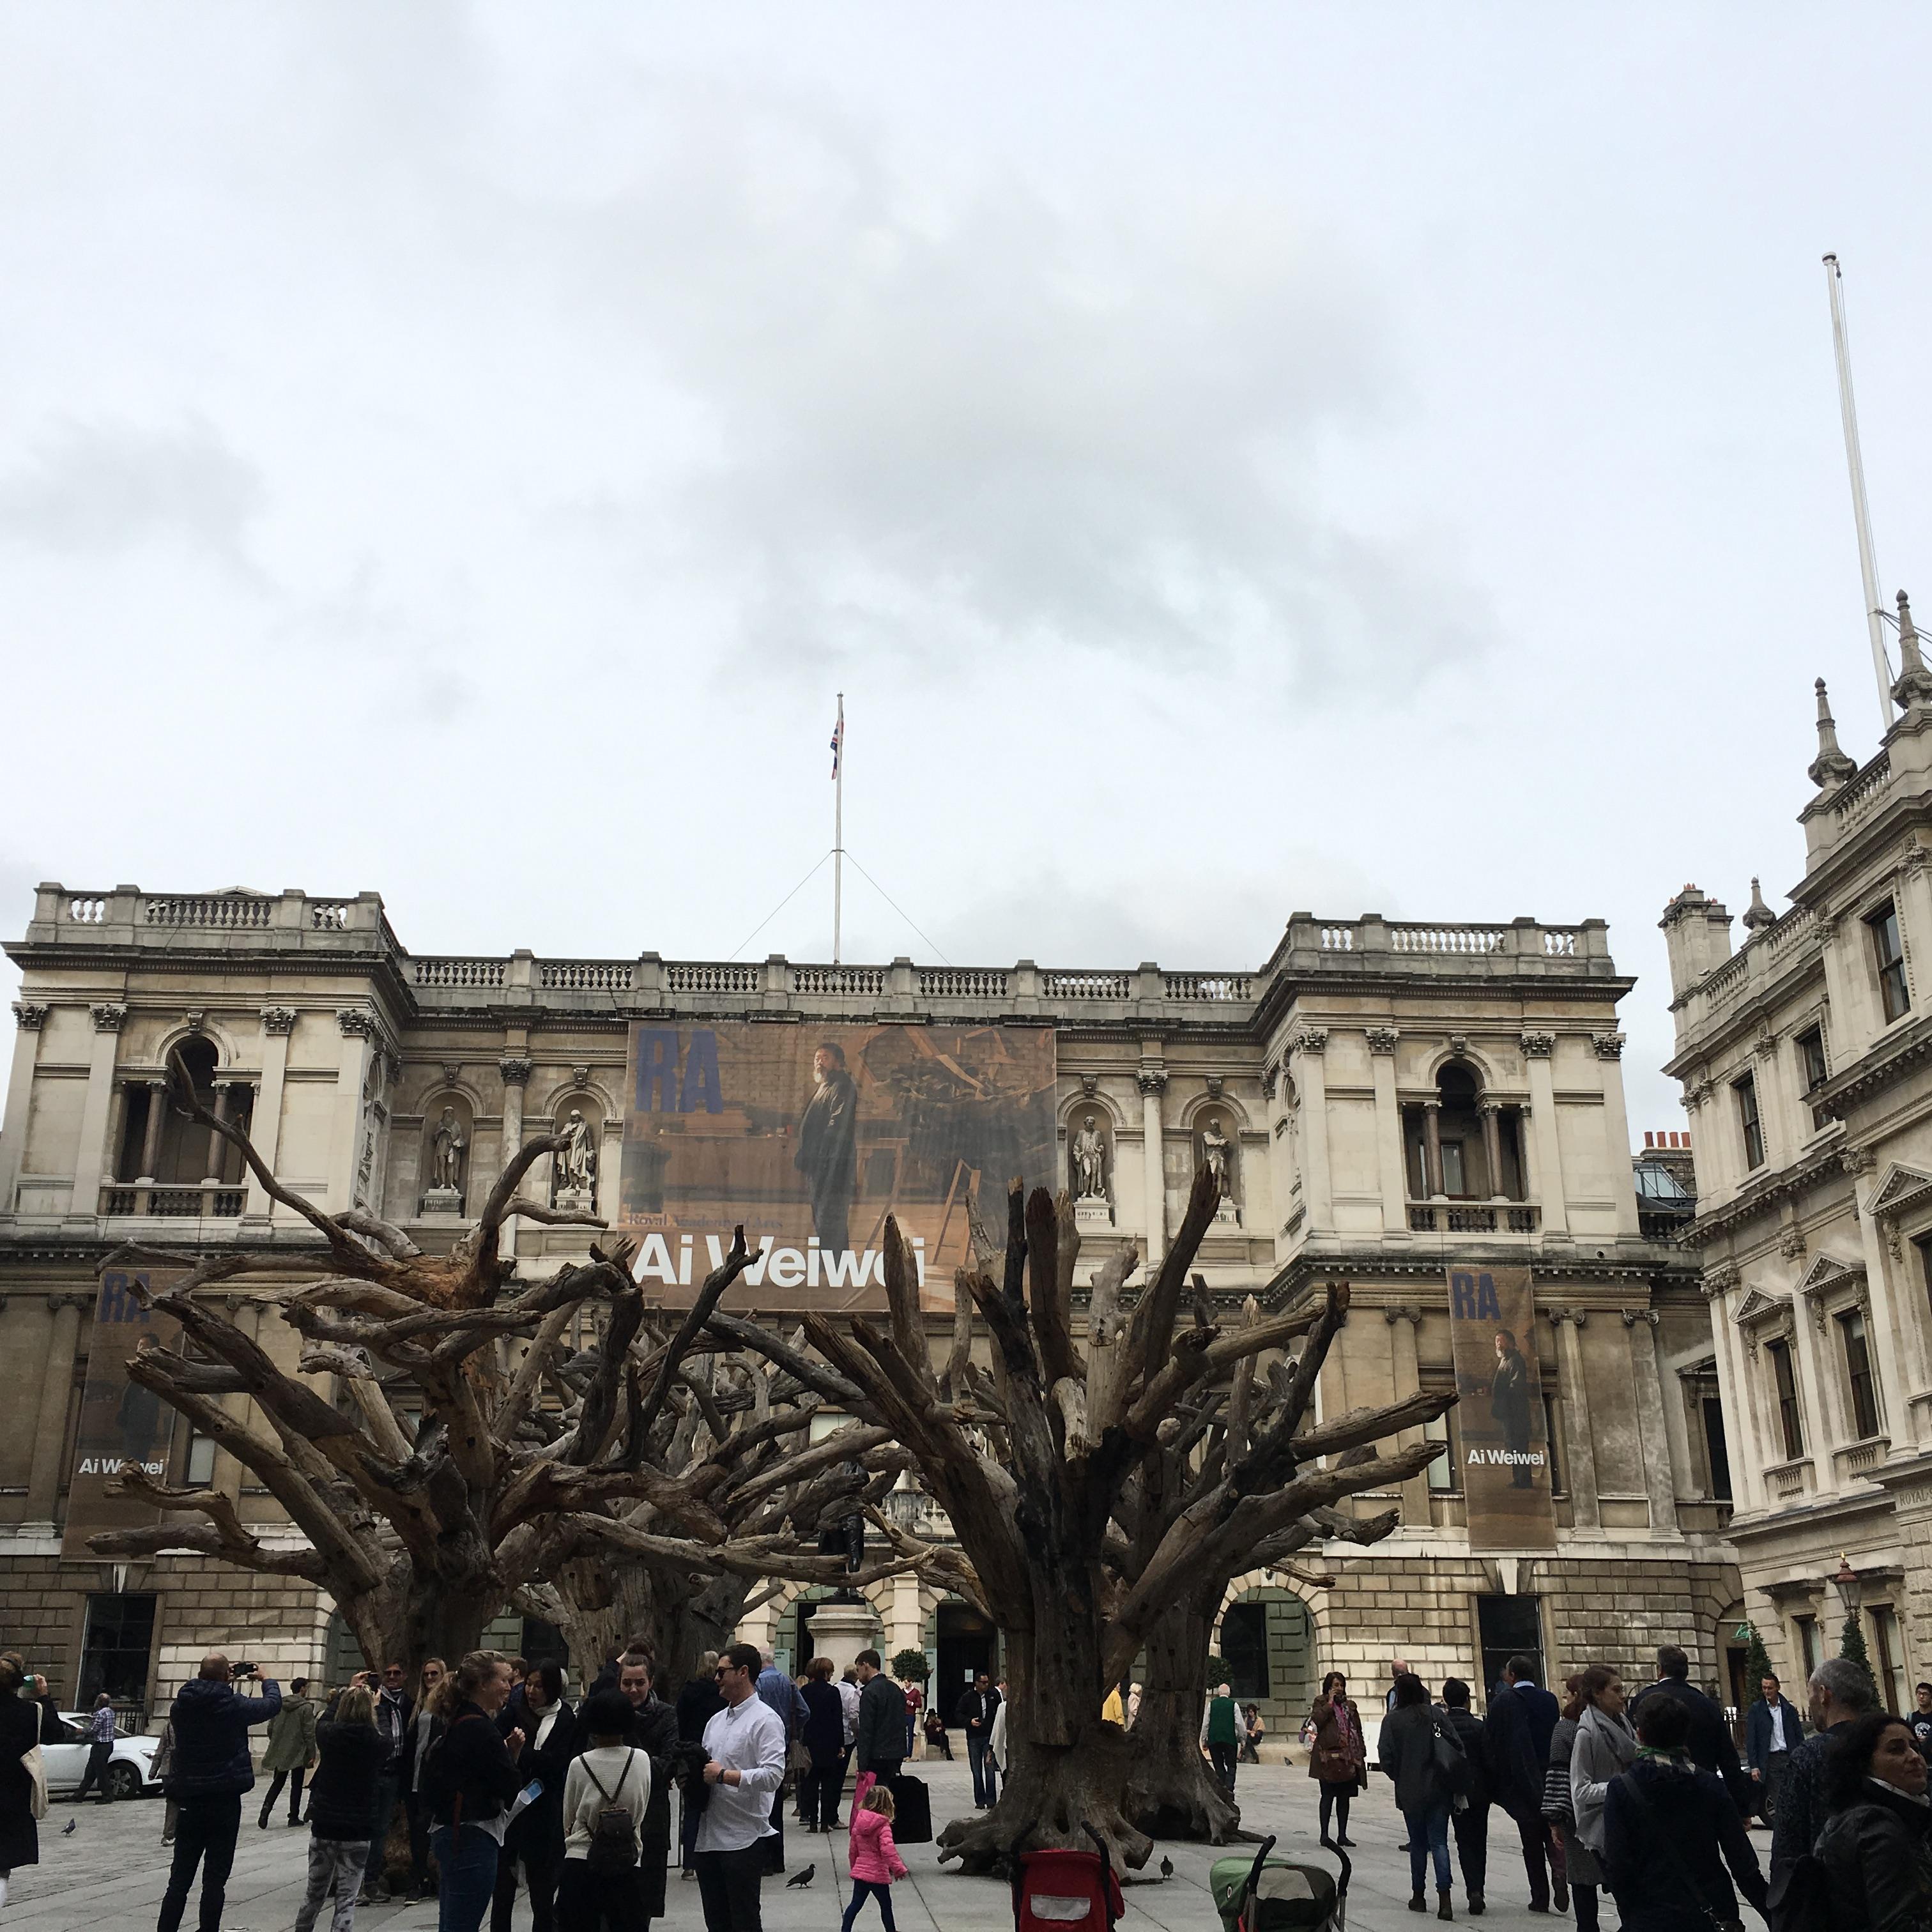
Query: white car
x,y
130,1766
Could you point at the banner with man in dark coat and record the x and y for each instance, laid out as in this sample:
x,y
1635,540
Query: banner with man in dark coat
x,y
1503,1449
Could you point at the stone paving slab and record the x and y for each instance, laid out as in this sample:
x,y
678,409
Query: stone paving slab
x,y
110,1872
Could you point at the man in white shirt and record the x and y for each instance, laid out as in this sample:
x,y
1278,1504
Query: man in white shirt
x,y
745,1750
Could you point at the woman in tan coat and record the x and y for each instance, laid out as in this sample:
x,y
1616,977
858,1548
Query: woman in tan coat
x,y
1338,1758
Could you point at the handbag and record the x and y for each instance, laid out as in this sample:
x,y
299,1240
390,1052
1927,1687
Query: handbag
x,y
1449,1760
35,1766
1558,1807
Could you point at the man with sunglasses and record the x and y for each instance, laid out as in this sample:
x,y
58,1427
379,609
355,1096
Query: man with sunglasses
x,y
744,1764
394,1706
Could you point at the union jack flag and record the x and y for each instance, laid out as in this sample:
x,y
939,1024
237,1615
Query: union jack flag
x,y
838,738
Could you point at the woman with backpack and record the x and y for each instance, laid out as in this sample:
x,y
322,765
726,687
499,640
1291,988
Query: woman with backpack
x,y
1408,1751
1669,1831
605,1797
349,1749
1875,1847
872,1857
535,1839
1605,1748
470,1779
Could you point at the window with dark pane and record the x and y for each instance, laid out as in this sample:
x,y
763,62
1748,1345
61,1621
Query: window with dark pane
x,y
1748,1123
1784,1383
1858,1372
1244,1648
1888,957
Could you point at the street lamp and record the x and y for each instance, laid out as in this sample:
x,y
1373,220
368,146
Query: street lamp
x,y
1848,1586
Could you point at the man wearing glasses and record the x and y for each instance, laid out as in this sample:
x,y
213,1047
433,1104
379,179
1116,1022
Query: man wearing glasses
x,y
745,1753
394,1707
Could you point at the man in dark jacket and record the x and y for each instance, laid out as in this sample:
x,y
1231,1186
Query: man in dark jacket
x,y
394,1706
1772,1732
1472,1825
1522,1717
975,1710
828,1145
1711,1747
880,1747
212,1768
1840,1693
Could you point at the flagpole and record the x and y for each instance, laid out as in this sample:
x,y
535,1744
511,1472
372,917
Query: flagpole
x,y
1861,514
838,830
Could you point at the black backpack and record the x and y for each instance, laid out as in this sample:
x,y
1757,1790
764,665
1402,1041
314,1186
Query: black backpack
x,y
1800,1898
613,1833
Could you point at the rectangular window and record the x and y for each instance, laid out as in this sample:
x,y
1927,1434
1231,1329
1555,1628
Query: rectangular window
x,y
1244,1649
1888,956
1716,1449
1746,1089
115,1650
1858,1373
1886,1660
1445,1473
198,1472
1509,1627
1452,1169
1807,1643
1785,1384
1812,1069
1550,1442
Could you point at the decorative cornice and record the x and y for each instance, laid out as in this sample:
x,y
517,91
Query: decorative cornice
x,y
515,1070
1773,1188
108,1017
1538,1045
1608,1046
278,1020
29,1016
1718,1281
1382,1039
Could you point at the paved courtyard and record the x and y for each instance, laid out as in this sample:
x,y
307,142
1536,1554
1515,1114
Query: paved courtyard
x,y
110,1873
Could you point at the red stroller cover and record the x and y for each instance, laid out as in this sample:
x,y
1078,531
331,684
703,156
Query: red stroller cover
x,y
1059,1889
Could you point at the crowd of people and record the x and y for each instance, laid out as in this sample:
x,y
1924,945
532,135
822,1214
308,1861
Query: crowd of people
x,y
1644,1795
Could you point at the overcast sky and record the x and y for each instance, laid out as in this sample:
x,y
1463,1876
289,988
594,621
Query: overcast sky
x,y
1232,459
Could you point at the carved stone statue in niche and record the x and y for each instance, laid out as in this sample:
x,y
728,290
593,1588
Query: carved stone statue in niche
x,y
1218,1152
1089,1161
575,1184
447,1148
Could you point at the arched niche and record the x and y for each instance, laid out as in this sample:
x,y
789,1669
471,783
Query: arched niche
x,y
1215,1123
1089,1125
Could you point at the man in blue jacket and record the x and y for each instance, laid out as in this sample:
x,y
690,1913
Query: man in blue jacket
x,y
1521,1717
212,1769
1772,1732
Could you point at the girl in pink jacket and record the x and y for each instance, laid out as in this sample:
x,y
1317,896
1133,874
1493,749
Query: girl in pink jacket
x,y
872,1857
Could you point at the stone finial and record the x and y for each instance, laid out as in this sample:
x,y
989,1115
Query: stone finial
x,y
1913,688
1757,913
1830,768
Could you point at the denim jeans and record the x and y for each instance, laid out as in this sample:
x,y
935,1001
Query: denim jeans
x,y
985,1778
862,1890
467,1857
1428,1838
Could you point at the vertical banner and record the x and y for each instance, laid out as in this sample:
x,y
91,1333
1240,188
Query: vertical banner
x,y
811,1135
120,1422
1499,1416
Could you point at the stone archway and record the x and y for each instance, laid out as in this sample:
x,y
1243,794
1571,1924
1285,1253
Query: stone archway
x,y
1265,1634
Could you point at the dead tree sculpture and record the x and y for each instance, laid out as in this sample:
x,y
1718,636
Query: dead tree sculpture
x,y
446,1481
1037,1464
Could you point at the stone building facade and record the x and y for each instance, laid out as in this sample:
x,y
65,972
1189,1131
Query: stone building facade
x,y
1387,1099
1806,1057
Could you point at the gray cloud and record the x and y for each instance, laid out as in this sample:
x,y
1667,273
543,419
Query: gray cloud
x,y
98,488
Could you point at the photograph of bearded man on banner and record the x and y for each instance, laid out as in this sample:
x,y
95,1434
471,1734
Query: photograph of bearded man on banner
x,y
828,1140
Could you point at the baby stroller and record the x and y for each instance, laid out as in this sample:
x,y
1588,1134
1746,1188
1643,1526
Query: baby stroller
x,y
1054,1890
1264,1894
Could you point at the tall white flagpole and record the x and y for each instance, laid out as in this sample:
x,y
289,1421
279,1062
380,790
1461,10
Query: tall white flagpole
x,y
1861,514
838,827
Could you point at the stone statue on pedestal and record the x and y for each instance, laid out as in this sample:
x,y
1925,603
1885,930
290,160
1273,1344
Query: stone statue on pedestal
x,y
447,1147
576,1162
1218,1152
1089,1162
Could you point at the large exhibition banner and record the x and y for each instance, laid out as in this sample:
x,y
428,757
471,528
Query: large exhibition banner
x,y
120,1422
811,1135
1503,1442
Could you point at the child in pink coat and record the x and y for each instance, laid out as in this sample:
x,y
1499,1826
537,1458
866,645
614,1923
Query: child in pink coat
x,y
872,1857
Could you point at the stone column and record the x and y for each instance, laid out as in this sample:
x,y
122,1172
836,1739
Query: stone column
x,y
906,1627
359,1028
1388,1132
1403,1323
1826,1423
1889,1341
151,1133
1584,1512
117,1133
29,1016
1537,1049
265,1128
1750,1454
1525,1149
1431,1148
1492,1148
1609,1048
84,1205
1308,1044
1660,1465
516,1072
1153,1081
218,1147
50,1418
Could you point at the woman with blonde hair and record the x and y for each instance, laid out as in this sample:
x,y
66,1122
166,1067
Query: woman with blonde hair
x,y
349,1749
471,1778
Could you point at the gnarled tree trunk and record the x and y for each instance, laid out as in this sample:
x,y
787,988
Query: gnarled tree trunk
x,y
1172,1792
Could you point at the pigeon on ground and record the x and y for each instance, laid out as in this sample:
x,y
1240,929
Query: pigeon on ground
x,y
68,1829
1167,1867
803,1878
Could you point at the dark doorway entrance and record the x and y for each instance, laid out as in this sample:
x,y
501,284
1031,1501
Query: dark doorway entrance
x,y
1244,1649
968,1644
1509,1627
